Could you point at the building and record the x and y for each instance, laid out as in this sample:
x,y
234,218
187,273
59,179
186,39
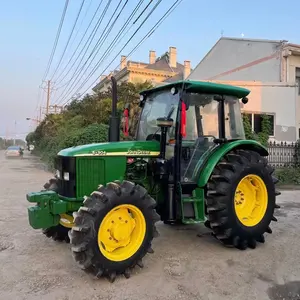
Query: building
x,y
270,69
156,70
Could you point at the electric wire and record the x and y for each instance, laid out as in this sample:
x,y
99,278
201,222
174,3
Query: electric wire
x,y
99,62
53,50
149,33
89,41
83,36
56,39
68,41
110,47
98,45
95,51
81,23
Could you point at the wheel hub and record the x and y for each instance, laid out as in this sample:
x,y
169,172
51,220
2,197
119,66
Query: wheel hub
x,y
121,231
251,200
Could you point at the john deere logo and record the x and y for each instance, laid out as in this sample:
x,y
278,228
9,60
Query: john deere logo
x,y
125,153
138,152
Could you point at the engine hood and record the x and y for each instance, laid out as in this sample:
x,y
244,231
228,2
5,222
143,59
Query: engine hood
x,y
126,148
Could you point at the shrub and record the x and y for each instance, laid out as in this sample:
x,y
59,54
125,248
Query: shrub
x,y
288,176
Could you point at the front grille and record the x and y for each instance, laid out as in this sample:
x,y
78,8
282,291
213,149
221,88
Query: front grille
x,y
90,174
66,188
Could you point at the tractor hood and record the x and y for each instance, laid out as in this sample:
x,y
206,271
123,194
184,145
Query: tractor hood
x,y
126,148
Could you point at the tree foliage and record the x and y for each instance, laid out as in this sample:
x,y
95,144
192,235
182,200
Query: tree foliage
x,y
85,121
263,136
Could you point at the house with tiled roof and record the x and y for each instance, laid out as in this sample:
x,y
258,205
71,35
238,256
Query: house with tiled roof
x,y
158,70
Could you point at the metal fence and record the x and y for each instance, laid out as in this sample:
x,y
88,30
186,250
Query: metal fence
x,y
284,155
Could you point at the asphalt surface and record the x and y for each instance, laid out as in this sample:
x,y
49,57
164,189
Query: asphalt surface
x,y
187,264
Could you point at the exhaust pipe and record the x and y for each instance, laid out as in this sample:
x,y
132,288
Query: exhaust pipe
x,y
114,119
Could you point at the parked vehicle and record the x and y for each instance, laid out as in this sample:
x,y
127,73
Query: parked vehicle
x,y
14,151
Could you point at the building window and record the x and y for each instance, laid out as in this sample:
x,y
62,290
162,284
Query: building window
x,y
256,122
298,79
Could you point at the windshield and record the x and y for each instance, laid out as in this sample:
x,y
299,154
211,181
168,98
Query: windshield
x,y
203,117
234,127
156,106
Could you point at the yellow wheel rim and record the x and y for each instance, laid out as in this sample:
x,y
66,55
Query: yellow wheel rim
x,y
66,221
251,200
122,232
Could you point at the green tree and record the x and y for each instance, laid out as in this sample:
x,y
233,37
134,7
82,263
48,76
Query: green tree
x,y
263,135
85,121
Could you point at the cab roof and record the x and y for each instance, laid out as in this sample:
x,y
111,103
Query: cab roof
x,y
202,87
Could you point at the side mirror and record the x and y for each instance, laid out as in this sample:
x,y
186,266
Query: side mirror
x,y
142,100
164,122
245,100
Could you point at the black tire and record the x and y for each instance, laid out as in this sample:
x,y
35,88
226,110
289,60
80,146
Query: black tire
x,y
83,235
220,199
57,233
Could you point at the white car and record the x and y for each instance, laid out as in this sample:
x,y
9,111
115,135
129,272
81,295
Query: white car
x,y
14,151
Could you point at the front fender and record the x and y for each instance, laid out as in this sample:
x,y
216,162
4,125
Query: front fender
x,y
212,160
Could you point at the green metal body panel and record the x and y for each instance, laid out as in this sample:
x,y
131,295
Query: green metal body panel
x,y
203,171
49,206
208,162
95,164
202,87
46,212
92,171
126,148
198,202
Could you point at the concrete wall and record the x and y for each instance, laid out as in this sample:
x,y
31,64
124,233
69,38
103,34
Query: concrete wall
x,y
229,54
279,99
293,62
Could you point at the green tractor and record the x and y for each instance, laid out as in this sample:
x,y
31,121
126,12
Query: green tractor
x,y
189,163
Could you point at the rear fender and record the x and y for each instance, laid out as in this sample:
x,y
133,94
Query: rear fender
x,y
208,166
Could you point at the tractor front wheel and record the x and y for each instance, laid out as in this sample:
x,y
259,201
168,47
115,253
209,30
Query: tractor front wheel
x,y
113,230
241,199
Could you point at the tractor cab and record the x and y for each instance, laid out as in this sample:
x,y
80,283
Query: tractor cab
x,y
197,118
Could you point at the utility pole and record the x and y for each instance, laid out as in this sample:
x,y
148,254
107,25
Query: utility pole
x,y
48,89
40,116
15,133
48,96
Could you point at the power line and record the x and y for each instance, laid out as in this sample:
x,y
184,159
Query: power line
x,y
95,50
62,56
149,33
100,61
83,36
80,25
91,37
56,39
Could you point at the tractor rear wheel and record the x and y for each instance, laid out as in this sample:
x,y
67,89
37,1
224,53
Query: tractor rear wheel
x,y
114,229
59,232
241,199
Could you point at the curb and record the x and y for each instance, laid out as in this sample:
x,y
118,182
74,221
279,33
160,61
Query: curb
x,y
288,187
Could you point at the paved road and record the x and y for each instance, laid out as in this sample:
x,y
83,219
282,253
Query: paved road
x,y
184,265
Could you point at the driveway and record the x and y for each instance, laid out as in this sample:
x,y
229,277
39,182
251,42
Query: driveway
x,y
187,264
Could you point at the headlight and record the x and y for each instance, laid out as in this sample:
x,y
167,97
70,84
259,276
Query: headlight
x,y
57,173
66,176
